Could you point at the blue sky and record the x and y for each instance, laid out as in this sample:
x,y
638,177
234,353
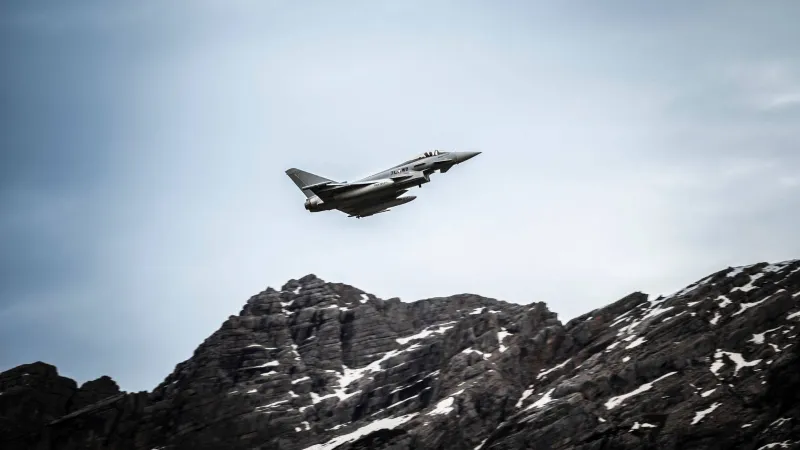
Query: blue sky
x,y
626,146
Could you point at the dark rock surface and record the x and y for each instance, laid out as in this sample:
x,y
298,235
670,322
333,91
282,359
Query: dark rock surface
x,y
321,365
35,395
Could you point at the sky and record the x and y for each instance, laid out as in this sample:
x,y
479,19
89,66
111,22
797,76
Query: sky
x,y
625,146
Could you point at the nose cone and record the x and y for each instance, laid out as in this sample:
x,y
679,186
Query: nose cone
x,y
463,156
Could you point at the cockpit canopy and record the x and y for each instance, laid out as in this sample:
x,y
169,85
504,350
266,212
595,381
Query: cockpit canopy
x,y
427,154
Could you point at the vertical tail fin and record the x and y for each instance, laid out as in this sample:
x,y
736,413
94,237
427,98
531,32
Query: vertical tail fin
x,y
302,179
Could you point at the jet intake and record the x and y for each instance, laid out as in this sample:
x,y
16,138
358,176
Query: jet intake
x,y
414,178
367,190
375,209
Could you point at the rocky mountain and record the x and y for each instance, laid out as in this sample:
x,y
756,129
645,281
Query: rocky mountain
x,y
319,365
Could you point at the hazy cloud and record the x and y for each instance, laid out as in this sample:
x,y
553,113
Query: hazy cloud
x,y
143,196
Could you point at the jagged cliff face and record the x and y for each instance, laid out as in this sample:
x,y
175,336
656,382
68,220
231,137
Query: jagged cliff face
x,y
320,365
34,395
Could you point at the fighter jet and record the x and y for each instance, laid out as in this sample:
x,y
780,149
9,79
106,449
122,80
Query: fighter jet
x,y
376,193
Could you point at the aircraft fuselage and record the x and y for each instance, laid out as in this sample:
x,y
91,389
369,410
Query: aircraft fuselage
x,y
378,192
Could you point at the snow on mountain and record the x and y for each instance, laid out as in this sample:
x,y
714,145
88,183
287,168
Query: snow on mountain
x,y
319,365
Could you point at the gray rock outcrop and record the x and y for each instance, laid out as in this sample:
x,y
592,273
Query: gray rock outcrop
x,y
319,365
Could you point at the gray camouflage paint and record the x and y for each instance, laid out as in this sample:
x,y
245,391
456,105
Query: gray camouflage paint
x,y
378,192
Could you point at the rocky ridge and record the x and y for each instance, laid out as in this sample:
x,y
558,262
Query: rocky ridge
x,y
33,395
320,365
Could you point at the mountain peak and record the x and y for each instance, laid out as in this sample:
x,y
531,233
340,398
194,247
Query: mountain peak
x,y
318,365
306,280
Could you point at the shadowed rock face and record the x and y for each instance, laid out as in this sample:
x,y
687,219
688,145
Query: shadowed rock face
x,y
34,395
321,365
